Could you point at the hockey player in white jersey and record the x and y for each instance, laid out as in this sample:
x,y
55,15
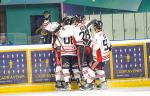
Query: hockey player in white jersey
x,y
68,56
59,78
101,47
52,27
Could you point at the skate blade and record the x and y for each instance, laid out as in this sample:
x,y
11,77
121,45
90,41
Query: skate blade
x,y
65,89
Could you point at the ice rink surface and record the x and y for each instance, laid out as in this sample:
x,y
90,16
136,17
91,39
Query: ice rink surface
x,y
109,92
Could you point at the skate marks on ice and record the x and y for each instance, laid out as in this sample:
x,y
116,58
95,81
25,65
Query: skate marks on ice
x,y
109,92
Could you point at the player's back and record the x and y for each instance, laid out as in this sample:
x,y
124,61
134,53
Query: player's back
x,y
103,45
68,48
80,34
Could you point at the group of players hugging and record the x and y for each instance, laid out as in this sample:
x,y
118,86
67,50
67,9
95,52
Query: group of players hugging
x,y
81,49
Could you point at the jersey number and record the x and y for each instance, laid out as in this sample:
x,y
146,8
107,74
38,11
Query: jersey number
x,y
105,44
85,35
68,40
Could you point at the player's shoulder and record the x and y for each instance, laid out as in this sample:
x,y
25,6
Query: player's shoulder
x,y
87,22
101,33
98,35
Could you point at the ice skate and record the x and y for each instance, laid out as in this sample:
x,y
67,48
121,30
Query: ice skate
x,y
59,86
88,86
81,86
67,87
102,86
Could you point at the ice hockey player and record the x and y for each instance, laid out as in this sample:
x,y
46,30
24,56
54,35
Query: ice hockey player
x,y
76,68
52,27
58,71
101,47
68,56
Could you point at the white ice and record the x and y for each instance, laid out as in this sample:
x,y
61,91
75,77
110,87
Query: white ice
x,y
109,92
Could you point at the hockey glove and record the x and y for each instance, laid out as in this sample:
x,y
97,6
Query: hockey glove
x,y
87,42
110,47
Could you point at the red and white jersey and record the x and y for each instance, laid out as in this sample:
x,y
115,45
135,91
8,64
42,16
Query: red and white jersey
x,y
100,45
68,47
78,32
51,26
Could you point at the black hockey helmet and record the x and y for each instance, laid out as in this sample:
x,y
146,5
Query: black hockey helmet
x,y
73,20
79,18
98,24
66,21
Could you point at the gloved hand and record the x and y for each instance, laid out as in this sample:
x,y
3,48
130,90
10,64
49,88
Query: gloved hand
x,y
110,47
87,42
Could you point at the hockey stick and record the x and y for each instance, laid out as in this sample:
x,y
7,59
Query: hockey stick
x,y
90,23
60,43
57,29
